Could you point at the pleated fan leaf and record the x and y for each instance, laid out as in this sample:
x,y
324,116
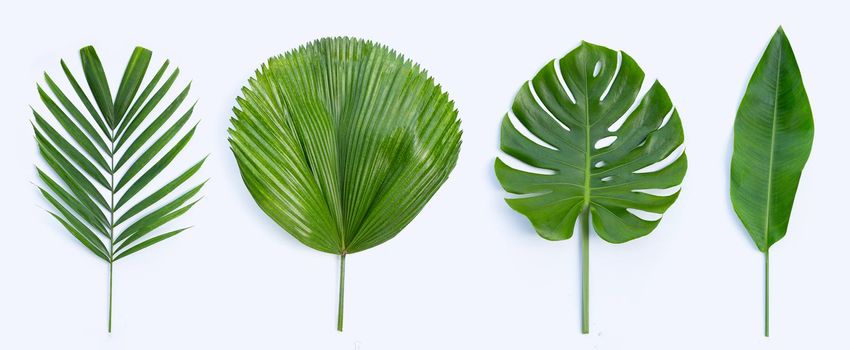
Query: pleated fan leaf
x,y
342,142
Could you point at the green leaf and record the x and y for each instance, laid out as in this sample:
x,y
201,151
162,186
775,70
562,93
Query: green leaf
x,y
608,180
80,156
59,163
143,96
160,193
80,230
95,218
84,240
126,129
774,131
595,148
101,122
78,116
342,142
76,134
132,80
153,148
150,223
69,150
149,243
154,170
96,79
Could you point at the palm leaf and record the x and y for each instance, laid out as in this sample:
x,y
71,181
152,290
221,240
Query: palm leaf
x,y
89,188
342,142
594,149
774,131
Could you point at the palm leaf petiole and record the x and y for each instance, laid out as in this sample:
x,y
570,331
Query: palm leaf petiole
x,y
341,292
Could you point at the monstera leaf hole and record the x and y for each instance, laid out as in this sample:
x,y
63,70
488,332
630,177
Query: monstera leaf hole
x,y
587,139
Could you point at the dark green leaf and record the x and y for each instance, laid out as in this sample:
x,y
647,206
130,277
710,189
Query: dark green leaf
x,y
161,193
79,228
154,170
101,122
578,173
131,126
774,131
149,243
85,241
149,223
78,116
69,149
96,79
58,162
131,81
79,137
94,218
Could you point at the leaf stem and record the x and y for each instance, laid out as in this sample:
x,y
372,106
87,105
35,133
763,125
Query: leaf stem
x,y
111,225
766,293
341,292
585,271
109,326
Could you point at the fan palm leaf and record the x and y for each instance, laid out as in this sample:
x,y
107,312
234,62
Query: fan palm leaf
x,y
342,142
103,151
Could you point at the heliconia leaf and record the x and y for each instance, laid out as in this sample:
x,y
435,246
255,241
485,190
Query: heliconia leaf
x,y
342,142
84,187
774,131
598,148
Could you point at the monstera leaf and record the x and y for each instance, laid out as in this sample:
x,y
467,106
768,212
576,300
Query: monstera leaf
x,y
774,131
593,149
105,156
342,142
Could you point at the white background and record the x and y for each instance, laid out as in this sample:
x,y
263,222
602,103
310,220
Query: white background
x,y
467,273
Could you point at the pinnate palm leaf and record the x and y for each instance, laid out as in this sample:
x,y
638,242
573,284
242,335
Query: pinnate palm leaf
x,y
85,148
342,142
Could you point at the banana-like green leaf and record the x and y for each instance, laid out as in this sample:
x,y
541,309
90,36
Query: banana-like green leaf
x,y
592,148
342,142
774,131
90,187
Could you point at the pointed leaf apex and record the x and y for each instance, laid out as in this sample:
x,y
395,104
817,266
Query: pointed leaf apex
x,y
780,34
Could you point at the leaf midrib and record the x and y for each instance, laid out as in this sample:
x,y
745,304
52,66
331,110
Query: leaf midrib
x,y
772,152
587,127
